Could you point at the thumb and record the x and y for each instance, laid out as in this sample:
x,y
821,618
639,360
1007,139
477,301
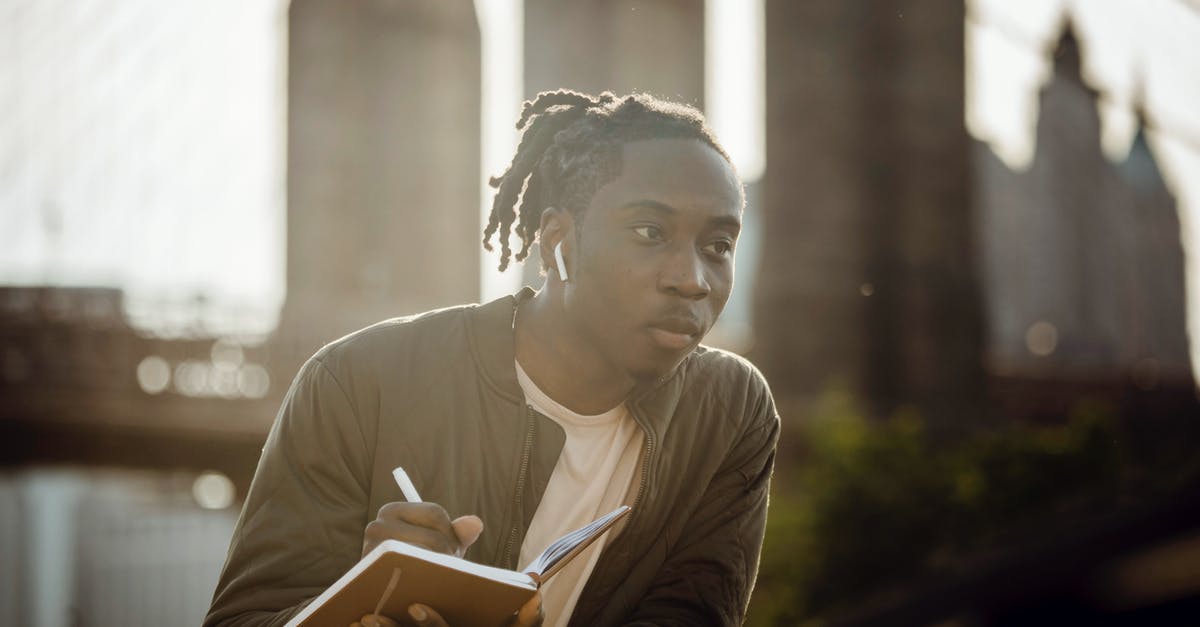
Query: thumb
x,y
467,528
531,613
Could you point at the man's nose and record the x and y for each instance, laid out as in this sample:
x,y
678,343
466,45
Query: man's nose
x,y
685,275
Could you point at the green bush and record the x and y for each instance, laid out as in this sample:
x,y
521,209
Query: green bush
x,y
857,505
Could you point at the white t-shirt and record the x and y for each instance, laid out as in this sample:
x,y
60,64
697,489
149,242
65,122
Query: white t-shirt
x,y
595,474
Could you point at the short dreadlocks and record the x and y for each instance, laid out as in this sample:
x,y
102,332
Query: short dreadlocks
x,y
570,147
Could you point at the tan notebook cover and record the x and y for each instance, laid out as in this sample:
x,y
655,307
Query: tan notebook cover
x,y
466,594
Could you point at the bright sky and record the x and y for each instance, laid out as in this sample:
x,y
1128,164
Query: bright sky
x,y
101,183
142,147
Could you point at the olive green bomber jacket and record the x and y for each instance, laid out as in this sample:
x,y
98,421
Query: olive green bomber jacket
x,y
438,395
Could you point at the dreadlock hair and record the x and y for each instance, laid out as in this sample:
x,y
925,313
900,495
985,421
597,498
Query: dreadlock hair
x,y
570,147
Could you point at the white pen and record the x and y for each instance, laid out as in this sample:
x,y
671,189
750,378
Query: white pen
x,y
406,485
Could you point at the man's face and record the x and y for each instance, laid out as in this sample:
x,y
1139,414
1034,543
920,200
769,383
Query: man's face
x,y
654,265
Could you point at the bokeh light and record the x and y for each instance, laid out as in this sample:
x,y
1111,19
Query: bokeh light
x,y
153,374
213,490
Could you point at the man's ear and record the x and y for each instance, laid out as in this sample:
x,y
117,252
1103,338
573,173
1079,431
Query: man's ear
x,y
557,227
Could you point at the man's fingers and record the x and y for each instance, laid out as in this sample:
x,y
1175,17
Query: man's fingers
x,y
379,530
430,515
374,620
467,528
530,614
424,524
425,616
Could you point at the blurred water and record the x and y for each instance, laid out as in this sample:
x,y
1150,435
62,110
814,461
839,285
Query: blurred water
x,y
88,547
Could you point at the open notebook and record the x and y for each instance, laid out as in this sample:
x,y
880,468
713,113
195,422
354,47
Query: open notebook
x,y
399,574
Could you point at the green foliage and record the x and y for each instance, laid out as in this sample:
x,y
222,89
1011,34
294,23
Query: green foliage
x,y
863,504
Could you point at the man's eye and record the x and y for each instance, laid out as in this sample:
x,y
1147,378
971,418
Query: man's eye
x,y
720,247
649,232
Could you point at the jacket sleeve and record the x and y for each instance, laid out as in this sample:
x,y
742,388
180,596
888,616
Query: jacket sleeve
x,y
302,523
707,578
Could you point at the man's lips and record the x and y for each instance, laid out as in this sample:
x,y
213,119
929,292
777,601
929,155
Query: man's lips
x,y
675,333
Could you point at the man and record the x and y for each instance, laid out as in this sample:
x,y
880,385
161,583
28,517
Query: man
x,y
524,418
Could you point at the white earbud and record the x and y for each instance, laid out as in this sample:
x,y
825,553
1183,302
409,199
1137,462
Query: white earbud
x,y
558,260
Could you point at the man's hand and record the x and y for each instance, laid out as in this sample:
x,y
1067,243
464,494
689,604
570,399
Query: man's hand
x,y
530,615
429,526
424,524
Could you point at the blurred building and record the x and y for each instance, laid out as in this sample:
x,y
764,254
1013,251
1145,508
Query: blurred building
x,y
124,448
1083,267
1082,287
868,279
82,386
82,389
383,163
82,394
905,264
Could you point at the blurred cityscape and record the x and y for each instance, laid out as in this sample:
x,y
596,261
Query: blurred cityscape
x,y
984,371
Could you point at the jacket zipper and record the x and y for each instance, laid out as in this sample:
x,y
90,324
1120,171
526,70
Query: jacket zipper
x,y
646,452
518,515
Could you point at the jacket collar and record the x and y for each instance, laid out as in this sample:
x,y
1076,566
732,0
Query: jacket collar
x,y
490,328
